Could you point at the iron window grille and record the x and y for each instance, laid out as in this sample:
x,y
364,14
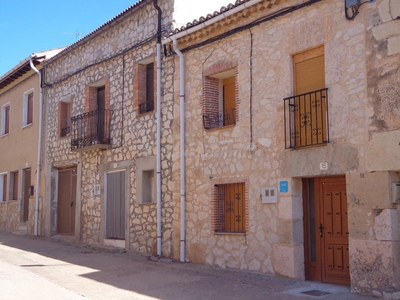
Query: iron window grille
x,y
91,128
306,119
146,107
211,121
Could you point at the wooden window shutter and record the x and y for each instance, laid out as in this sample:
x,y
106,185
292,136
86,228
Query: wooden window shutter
x,y
229,212
150,86
4,187
7,120
310,108
229,100
29,109
309,71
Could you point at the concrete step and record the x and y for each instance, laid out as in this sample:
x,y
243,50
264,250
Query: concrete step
x,y
22,229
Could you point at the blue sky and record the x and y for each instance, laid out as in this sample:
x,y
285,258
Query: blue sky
x,y
28,26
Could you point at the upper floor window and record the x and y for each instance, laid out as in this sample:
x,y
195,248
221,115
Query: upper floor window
x,y
219,99
306,117
144,87
3,187
27,108
5,119
64,120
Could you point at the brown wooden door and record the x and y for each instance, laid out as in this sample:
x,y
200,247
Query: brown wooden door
x,y
115,211
66,201
326,230
25,205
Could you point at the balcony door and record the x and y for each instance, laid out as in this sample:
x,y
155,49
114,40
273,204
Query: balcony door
x,y
101,106
310,108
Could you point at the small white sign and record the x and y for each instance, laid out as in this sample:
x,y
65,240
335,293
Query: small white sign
x,y
323,166
96,190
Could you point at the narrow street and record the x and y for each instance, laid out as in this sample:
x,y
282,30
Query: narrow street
x,y
42,268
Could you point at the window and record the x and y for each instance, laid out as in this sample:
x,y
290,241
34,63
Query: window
x,y
229,207
219,92
65,117
306,112
144,87
3,187
145,180
5,119
14,185
28,108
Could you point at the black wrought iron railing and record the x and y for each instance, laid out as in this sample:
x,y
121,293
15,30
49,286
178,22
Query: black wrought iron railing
x,y
211,121
306,119
146,107
91,128
65,131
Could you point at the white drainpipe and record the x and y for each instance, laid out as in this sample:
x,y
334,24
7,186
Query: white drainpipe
x,y
182,133
35,232
158,163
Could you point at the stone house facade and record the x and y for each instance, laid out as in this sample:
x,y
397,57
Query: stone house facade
x,y
292,165
101,137
19,139
101,141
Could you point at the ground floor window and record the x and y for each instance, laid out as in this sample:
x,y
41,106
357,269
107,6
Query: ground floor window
x,y
229,207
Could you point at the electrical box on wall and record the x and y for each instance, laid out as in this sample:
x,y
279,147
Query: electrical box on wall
x,y
269,195
96,190
396,192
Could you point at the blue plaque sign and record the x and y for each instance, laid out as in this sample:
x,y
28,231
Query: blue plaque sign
x,y
283,186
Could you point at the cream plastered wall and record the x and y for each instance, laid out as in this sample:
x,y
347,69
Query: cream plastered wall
x,y
133,137
274,240
19,146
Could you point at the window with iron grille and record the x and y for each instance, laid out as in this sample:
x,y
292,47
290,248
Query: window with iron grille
x,y
229,208
306,113
65,117
219,99
144,87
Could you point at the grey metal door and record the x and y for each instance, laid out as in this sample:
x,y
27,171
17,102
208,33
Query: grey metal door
x,y
115,207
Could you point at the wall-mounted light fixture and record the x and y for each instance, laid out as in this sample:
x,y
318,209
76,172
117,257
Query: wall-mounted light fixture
x,y
353,6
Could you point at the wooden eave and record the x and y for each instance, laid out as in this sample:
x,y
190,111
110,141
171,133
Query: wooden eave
x,y
17,73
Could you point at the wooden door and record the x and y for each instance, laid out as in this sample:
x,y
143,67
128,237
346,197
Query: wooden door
x,y
26,195
115,208
66,204
326,230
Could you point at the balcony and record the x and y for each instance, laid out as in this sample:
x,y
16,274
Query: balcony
x,y
211,121
306,119
91,130
146,107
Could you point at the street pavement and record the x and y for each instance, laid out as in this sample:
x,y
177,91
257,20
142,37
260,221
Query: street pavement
x,y
45,268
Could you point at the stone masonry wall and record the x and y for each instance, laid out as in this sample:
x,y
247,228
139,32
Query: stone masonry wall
x,y
132,136
254,147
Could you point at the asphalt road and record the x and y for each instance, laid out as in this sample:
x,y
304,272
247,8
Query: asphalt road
x,y
43,268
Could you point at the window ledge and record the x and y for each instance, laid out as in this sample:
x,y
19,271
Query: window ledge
x,y
139,115
65,136
27,125
230,233
220,128
4,135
